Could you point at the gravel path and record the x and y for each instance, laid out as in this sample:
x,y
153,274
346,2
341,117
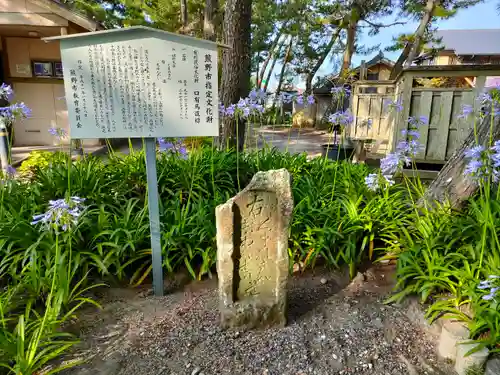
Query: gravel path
x,y
333,328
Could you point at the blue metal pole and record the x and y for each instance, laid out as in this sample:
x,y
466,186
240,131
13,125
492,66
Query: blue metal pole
x,y
154,215
4,145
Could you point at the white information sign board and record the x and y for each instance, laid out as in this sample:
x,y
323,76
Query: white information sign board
x,y
146,86
140,82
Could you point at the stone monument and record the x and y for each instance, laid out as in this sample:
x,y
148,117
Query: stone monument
x,y
252,252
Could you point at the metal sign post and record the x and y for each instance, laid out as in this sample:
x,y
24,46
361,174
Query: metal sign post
x,y
154,215
139,82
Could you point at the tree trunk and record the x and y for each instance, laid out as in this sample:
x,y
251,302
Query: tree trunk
x,y
450,184
262,71
320,61
283,67
271,68
184,16
352,27
426,19
398,66
409,54
257,80
209,20
236,63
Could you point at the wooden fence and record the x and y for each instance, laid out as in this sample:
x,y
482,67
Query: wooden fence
x,y
445,130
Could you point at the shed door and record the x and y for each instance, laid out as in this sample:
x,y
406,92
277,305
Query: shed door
x,y
48,110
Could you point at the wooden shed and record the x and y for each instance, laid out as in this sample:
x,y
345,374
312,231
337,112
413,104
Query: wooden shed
x,y
441,105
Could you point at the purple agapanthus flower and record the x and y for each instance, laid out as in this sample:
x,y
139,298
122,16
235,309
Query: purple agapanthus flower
x,y
61,214
58,132
344,118
10,171
491,284
416,122
369,123
299,99
474,152
261,94
183,154
20,110
394,105
390,164
410,133
164,145
467,109
496,147
495,159
411,147
6,92
473,168
176,147
259,108
230,110
340,91
15,111
222,109
491,295
246,111
252,95
371,181
486,284
484,98
310,100
257,96
242,103
388,179
483,163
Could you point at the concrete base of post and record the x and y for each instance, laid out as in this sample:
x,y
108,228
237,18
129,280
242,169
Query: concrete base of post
x,y
451,334
493,366
474,360
76,148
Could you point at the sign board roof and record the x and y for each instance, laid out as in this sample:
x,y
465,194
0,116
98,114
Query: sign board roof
x,y
132,32
140,82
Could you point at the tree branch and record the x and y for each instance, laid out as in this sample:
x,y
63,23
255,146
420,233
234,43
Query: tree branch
x,y
380,25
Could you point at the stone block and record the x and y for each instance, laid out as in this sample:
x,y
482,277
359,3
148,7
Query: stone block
x,y
252,252
475,360
451,334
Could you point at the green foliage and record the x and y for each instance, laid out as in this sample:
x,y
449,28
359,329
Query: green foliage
x,y
443,256
40,160
48,276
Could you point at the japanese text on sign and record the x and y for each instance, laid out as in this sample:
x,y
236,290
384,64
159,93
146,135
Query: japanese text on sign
x,y
141,88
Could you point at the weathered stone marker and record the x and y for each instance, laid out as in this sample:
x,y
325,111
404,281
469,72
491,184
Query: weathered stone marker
x,y
252,252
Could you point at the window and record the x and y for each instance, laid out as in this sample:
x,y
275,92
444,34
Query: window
x,y
47,69
372,76
58,69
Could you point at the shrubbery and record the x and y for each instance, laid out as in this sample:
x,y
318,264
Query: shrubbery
x,y
336,219
67,227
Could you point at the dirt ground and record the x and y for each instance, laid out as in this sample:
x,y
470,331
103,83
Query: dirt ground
x,y
334,327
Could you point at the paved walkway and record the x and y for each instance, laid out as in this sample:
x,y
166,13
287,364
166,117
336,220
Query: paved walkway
x,y
290,139
284,138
